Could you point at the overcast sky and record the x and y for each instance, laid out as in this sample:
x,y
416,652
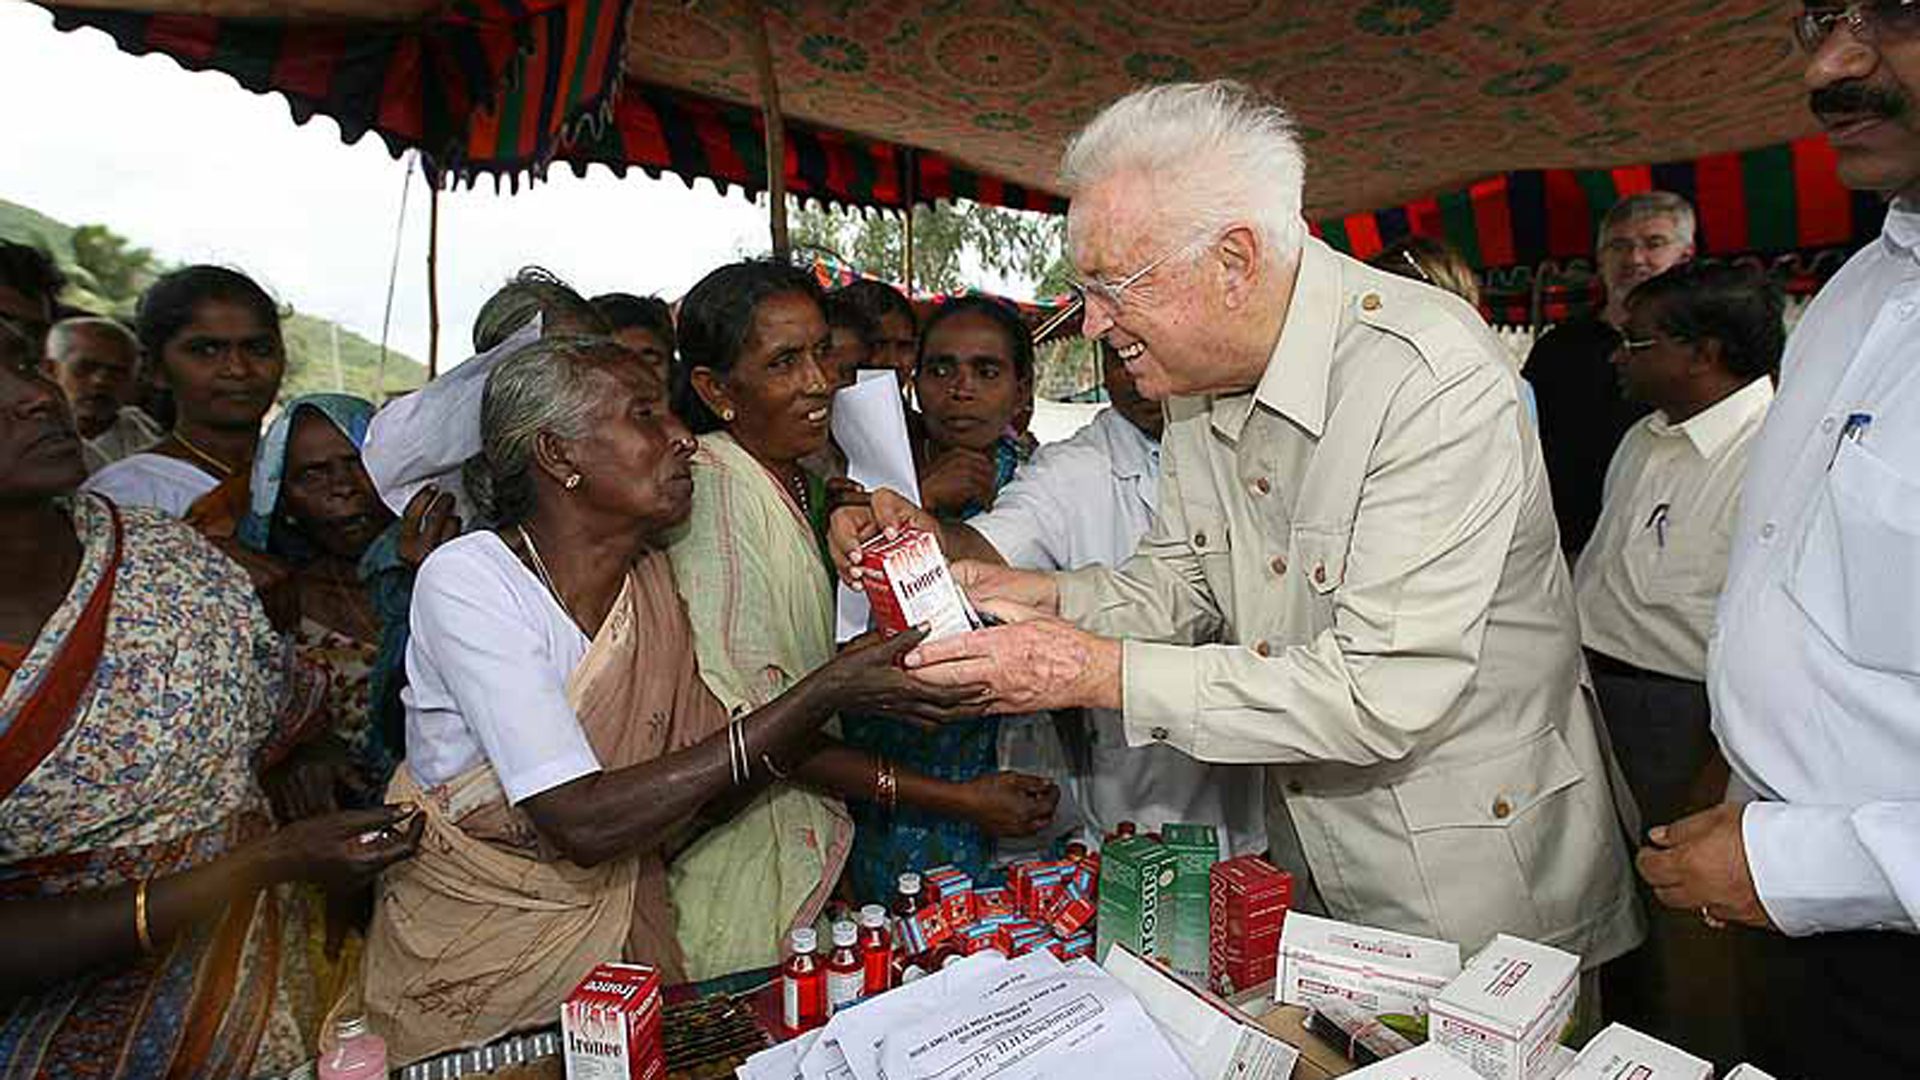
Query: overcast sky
x,y
198,169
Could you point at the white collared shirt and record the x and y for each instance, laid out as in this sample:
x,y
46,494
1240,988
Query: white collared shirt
x,y
1647,582
1087,501
1815,668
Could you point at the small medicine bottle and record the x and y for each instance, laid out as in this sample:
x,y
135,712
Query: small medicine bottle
x,y
876,951
846,975
803,984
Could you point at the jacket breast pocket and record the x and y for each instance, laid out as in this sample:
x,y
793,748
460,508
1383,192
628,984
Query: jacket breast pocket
x,y
1509,843
1856,574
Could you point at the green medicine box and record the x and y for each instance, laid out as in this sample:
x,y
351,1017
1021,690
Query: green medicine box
x,y
1195,849
1136,890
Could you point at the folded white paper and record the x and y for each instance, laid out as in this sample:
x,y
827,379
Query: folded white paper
x,y
870,426
1215,1041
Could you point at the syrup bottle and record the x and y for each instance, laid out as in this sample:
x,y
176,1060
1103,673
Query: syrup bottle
x,y
846,974
357,1053
876,951
906,901
803,984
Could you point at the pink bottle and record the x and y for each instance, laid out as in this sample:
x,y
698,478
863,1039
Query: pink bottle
x,y
357,1053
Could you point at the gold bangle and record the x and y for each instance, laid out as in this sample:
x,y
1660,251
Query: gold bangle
x,y
886,784
140,928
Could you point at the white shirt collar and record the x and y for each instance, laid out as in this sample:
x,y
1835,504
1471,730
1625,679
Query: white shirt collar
x,y
1713,427
1902,229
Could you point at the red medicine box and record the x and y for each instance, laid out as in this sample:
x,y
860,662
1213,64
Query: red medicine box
x,y
610,1025
1247,901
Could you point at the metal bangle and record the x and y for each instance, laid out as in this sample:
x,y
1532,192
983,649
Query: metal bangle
x,y
886,784
778,773
140,928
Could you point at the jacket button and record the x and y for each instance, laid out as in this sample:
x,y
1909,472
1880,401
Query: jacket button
x,y
1263,649
1199,539
1370,302
1320,574
1280,565
1159,734
1502,809
1262,485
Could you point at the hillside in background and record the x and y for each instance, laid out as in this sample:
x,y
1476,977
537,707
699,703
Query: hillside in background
x,y
107,274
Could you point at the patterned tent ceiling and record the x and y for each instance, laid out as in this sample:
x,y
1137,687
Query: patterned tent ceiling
x,y
1397,99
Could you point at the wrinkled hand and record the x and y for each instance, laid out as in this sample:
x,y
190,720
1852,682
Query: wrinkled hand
x,y
339,851
869,678
428,523
1699,863
314,779
1034,663
1011,804
958,479
987,583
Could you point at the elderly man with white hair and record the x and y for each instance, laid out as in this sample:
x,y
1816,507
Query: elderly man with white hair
x,y
1354,576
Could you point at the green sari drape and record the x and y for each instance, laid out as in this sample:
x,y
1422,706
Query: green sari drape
x,y
761,605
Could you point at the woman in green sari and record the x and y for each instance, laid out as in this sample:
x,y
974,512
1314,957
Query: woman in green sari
x,y
754,386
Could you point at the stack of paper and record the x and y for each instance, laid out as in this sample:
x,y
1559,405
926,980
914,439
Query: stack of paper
x,y
1025,1019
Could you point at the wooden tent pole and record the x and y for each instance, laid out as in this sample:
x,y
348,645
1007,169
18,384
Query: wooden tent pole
x,y
776,132
911,188
433,280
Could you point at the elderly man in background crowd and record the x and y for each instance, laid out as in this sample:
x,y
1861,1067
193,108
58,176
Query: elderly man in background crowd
x,y
1353,576
96,362
1583,414
1814,672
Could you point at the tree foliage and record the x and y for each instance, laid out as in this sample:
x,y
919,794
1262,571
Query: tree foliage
x,y
115,270
953,243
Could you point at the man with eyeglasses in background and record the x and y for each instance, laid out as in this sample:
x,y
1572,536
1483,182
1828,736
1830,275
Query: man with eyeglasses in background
x,y
1352,577
29,282
1582,412
1699,344
1814,672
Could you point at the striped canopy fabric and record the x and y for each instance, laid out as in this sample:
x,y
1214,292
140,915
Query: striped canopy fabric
x,y
1775,199
481,87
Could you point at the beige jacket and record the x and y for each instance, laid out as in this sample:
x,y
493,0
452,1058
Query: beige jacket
x,y
1355,578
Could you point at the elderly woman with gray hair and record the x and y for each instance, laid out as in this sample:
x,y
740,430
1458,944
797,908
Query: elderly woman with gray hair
x,y
560,741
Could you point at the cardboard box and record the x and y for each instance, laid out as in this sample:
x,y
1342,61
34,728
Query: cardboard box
x,y
1621,1053
1196,848
1136,876
1380,971
916,586
1428,1062
1504,1014
1247,902
1215,1040
1562,1056
610,1025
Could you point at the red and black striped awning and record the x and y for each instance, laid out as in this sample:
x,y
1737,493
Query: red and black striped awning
x,y
1773,200
661,130
505,87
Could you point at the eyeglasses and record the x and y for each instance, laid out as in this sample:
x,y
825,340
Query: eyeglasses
x,y
1112,295
1634,345
1626,245
1869,23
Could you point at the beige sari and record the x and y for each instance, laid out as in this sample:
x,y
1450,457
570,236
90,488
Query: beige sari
x,y
487,929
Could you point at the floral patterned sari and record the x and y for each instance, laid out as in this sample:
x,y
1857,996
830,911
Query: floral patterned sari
x,y
129,740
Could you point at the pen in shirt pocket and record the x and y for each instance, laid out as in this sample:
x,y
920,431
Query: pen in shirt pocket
x,y
1657,521
1852,431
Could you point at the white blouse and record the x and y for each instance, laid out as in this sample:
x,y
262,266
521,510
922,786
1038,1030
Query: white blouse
x,y
487,669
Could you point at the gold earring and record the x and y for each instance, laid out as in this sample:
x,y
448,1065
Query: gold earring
x,y
573,481
726,416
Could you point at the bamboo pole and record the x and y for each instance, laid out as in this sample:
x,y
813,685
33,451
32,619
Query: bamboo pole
x,y
912,189
776,132
433,280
